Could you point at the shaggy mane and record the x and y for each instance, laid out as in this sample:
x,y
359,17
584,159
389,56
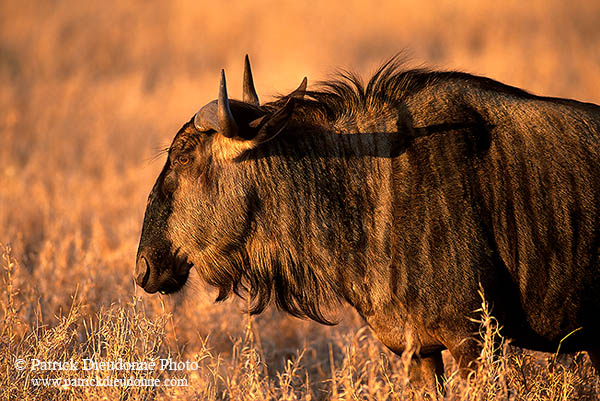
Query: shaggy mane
x,y
346,96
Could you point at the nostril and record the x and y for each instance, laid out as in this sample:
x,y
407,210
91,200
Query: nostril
x,y
142,271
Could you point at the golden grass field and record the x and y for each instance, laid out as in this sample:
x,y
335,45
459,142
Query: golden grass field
x,y
89,94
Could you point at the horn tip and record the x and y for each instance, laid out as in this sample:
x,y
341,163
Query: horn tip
x,y
249,94
247,69
223,82
246,66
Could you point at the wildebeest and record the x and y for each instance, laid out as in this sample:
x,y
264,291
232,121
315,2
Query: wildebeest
x,y
400,197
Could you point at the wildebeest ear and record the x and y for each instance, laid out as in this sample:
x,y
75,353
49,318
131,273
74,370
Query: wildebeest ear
x,y
270,125
235,139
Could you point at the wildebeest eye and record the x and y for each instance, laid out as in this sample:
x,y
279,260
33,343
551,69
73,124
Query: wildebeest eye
x,y
183,160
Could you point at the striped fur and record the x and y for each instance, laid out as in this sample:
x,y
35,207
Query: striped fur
x,y
402,197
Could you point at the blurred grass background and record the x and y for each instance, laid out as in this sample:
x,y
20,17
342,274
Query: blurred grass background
x,y
90,91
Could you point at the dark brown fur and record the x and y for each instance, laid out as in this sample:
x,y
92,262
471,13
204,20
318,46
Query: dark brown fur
x,y
401,198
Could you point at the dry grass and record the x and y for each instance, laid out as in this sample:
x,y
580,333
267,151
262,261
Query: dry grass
x,y
89,92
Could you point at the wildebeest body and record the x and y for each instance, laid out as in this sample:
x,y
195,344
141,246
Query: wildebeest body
x,y
511,203
401,198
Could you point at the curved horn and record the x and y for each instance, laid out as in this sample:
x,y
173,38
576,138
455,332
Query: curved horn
x,y
227,125
250,95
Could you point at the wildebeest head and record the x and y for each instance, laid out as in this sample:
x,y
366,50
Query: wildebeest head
x,y
199,212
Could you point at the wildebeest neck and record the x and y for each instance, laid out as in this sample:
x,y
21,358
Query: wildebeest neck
x,y
325,213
